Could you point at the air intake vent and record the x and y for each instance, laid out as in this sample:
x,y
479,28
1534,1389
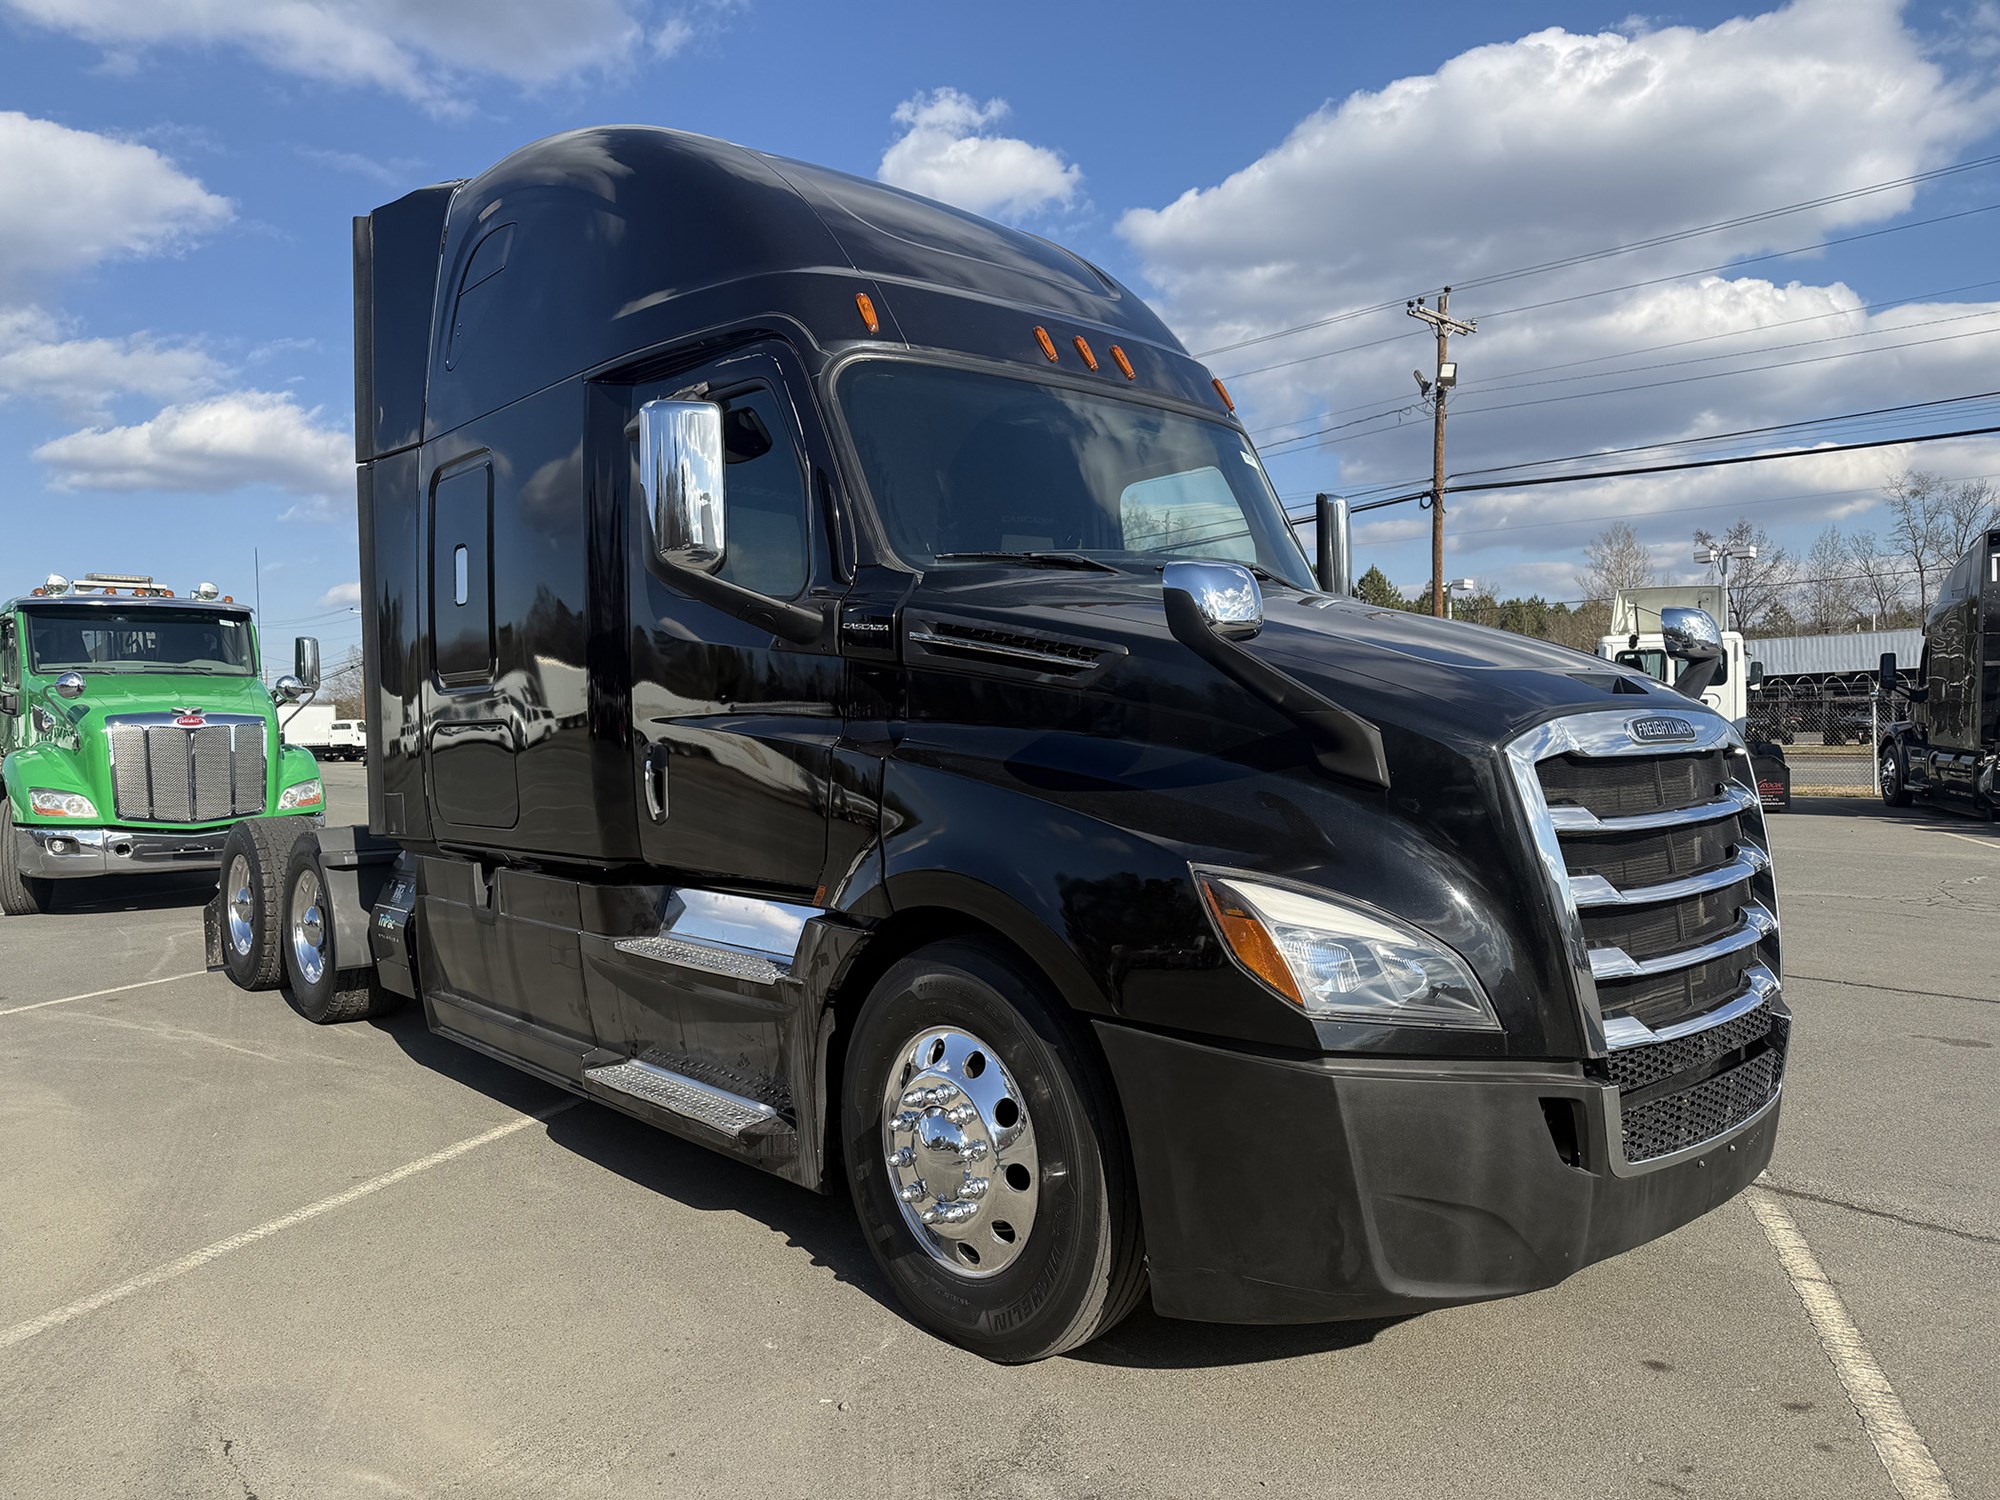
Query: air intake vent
x,y
1014,651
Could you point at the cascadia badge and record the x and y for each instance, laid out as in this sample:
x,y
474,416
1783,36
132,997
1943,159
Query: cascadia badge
x,y
1662,729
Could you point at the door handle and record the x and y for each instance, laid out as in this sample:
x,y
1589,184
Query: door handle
x,y
655,777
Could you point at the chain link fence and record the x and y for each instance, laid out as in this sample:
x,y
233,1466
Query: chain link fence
x,y
1828,738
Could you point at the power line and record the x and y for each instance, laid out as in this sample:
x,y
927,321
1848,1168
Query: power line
x,y
1651,385
1699,463
1656,241
1631,286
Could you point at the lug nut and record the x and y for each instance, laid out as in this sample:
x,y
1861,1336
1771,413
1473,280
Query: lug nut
x,y
962,1115
910,1192
975,1187
902,1156
974,1151
944,1093
904,1123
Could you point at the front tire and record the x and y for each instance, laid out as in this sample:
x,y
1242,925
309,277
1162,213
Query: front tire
x,y
315,984
1895,776
20,895
987,1158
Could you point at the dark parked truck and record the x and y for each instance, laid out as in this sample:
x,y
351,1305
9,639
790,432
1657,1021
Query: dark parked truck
x,y
1948,750
843,689
137,731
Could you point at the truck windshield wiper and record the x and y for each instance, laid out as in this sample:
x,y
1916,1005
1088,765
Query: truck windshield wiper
x,y
1033,559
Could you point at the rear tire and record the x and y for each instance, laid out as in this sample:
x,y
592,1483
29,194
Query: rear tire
x,y
315,984
1055,1159
254,858
20,895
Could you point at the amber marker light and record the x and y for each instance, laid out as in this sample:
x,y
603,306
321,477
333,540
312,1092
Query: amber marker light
x,y
1249,941
1048,344
1089,359
1118,358
867,305
1222,391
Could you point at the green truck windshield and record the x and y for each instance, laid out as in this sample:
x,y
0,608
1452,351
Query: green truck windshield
x,y
970,463
148,639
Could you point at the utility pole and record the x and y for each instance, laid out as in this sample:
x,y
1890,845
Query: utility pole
x,y
1443,380
1718,556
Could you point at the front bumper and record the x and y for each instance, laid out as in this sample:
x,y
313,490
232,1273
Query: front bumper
x,y
58,853
1283,1190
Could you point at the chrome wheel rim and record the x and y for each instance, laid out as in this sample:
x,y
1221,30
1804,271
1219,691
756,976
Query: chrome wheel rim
x,y
308,928
960,1148
242,907
1889,774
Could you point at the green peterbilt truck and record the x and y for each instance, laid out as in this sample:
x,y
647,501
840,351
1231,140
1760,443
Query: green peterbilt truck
x,y
137,732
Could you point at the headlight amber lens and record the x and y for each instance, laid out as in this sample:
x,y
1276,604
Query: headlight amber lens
x,y
305,794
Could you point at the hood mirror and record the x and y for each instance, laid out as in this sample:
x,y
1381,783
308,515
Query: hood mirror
x,y
1691,634
1224,594
70,685
681,461
289,689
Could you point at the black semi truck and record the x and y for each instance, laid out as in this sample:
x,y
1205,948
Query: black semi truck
x,y
1948,750
844,690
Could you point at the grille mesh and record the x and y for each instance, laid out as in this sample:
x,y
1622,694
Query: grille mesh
x,y
1627,784
163,773
1663,999
1636,1067
1666,926
1662,1126
1629,860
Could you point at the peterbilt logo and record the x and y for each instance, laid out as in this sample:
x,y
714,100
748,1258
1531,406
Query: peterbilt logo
x,y
188,718
1662,729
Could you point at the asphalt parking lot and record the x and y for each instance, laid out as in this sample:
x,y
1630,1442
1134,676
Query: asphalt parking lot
x,y
247,1256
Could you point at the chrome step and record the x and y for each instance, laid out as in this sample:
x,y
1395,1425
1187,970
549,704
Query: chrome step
x,y
732,1114
733,963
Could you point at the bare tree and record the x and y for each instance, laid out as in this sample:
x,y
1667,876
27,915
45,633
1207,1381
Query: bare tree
x,y
1614,560
344,687
1757,585
1826,596
1935,521
1880,582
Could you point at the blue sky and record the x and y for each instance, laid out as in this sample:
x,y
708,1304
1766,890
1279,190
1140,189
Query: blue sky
x,y
176,180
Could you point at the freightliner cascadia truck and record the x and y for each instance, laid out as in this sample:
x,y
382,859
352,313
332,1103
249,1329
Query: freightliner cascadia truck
x,y
137,731
1948,750
843,689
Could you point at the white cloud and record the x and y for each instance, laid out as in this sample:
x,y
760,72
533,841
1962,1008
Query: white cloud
x,y
339,594
40,358
417,50
946,152
235,441
1529,151
398,172
70,199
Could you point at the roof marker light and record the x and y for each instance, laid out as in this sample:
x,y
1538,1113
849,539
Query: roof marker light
x,y
1118,357
204,590
867,305
1048,344
55,584
1089,359
1222,391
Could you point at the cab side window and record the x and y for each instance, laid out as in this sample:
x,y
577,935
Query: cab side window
x,y
764,547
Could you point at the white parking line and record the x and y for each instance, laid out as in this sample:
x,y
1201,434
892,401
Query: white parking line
x,y
1899,1445
1967,838
116,989
195,1260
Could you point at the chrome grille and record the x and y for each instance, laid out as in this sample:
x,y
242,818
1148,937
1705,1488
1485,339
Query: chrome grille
x,y
1655,856
162,772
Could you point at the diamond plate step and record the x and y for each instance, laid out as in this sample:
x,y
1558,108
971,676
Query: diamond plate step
x,y
678,1094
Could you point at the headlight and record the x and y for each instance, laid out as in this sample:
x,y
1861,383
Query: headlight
x,y
47,804
305,794
1340,961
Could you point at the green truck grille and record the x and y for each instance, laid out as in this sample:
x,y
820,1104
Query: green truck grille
x,y
163,771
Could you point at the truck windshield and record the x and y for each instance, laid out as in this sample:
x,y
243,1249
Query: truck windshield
x,y
152,639
964,464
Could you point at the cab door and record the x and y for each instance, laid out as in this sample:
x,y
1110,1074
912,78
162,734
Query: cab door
x,y
732,733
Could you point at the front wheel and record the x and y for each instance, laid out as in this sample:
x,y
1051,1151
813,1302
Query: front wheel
x,y
987,1158
253,878
20,895
1895,777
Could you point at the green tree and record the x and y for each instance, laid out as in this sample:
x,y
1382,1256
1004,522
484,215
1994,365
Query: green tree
x,y
1374,588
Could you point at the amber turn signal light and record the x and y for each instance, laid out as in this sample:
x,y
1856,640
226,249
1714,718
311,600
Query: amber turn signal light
x,y
1048,344
1222,391
1089,359
1249,941
867,305
1118,358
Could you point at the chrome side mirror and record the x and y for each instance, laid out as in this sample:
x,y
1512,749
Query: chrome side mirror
x,y
1225,594
305,662
70,685
289,689
680,469
1333,532
1691,634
